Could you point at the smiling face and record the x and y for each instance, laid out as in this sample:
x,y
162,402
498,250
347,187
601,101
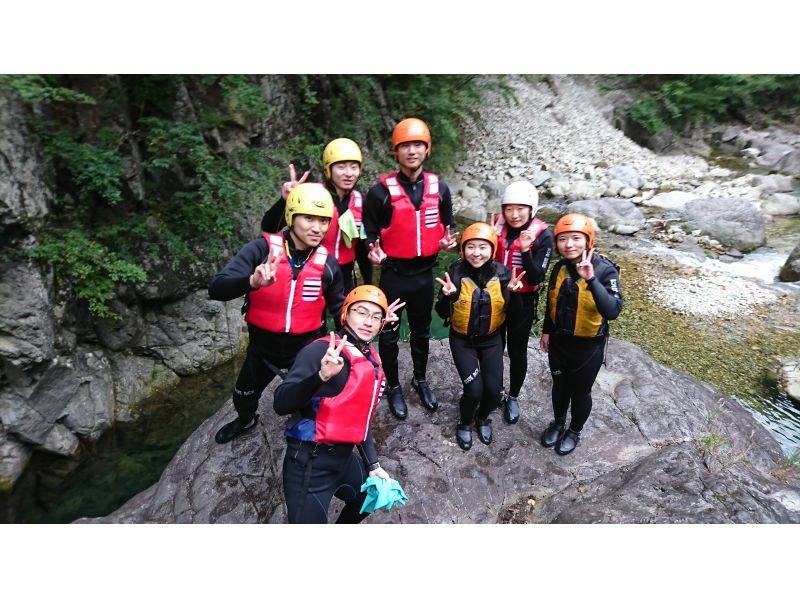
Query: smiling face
x,y
307,231
477,252
344,176
571,245
410,155
516,215
364,319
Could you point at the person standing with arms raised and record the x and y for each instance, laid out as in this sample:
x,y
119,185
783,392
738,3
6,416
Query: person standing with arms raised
x,y
408,216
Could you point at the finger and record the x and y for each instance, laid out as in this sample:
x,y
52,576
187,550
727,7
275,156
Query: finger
x,y
521,274
292,174
441,282
332,341
304,177
338,349
399,306
447,277
393,304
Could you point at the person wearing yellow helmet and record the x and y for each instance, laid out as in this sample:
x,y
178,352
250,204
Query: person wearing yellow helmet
x,y
473,300
342,166
526,244
287,280
331,393
583,294
408,216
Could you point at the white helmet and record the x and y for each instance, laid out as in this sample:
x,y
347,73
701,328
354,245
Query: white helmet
x,y
522,193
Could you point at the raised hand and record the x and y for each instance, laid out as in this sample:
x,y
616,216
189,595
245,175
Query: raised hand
x,y
494,219
584,268
376,255
448,288
332,363
448,241
526,239
264,274
515,283
394,306
292,182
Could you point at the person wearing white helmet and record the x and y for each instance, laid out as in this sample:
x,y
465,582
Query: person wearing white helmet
x,y
524,243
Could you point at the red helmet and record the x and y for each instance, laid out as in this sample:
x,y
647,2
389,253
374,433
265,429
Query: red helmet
x,y
577,223
411,129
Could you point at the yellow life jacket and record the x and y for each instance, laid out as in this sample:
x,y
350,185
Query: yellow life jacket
x,y
464,316
588,322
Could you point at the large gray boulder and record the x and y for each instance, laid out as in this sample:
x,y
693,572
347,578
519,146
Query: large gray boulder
x,y
733,221
612,214
627,175
781,204
790,164
790,272
659,447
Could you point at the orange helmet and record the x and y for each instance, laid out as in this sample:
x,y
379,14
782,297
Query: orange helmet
x,y
479,230
411,129
365,292
577,223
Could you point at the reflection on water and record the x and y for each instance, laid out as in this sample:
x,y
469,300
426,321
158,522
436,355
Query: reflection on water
x,y
778,414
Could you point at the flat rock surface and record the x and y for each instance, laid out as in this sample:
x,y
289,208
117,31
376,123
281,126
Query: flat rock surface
x,y
660,446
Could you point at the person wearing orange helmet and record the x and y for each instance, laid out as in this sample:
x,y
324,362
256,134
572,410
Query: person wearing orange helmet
x,y
342,167
408,217
331,393
288,280
583,294
526,244
473,300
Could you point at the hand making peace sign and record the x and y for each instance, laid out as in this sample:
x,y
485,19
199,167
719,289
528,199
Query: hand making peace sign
x,y
515,283
292,182
448,241
264,274
391,316
584,268
331,363
376,255
448,288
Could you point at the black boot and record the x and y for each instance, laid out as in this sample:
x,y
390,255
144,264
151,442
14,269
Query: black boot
x,y
425,394
552,433
567,443
484,428
235,428
464,436
397,404
511,410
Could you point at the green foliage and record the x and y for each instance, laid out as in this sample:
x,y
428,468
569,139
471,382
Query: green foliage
x,y
682,101
40,88
93,268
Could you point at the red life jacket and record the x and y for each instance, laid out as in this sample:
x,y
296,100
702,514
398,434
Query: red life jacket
x,y
333,240
345,418
512,258
287,305
411,232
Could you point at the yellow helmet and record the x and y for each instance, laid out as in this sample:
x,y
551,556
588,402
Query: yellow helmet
x,y
308,198
340,150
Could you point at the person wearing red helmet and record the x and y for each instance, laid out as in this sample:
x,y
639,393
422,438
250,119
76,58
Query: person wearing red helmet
x,y
342,166
287,280
332,392
474,301
525,243
408,217
583,294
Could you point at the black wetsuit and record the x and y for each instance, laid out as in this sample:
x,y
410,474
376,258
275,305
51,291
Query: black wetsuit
x,y
267,348
274,220
478,355
575,361
522,306
410,280
313,473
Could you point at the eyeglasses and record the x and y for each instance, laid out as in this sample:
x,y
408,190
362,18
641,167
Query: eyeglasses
x,y
365,315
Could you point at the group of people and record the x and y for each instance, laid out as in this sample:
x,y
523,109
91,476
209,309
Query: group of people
x,y
302,269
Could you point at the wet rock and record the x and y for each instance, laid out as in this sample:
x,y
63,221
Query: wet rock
x,y
117,334
790,272
789,378
13,458
645,456
732,221
136,378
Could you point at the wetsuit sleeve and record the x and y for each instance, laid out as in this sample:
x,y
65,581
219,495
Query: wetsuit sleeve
x,y
234,279
504,276
367,450
605,290
548,326
446,206
537,259
273,220
334,291
376,214
303,383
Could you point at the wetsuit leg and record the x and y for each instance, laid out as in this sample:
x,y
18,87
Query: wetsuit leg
x,y
586,358
364,265
420,306
465,358
348,276
350,491
491,359
557,359
252,380
521,314
392,285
